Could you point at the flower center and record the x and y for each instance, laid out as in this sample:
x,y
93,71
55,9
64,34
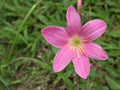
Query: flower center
x,y
76,43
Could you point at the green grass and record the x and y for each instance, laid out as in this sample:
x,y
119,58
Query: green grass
x,y
26,58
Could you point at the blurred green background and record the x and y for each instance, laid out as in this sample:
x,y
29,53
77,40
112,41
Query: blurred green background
x,y
26,58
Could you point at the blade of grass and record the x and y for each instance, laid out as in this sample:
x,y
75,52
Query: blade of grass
x,y
20,29
4,83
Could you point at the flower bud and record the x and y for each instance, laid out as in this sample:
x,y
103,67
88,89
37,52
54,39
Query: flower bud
x,y
79,5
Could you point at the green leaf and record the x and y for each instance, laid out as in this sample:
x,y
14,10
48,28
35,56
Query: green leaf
x,y
112,83
67,81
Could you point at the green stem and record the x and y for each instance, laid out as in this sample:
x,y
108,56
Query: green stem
x,y
20,29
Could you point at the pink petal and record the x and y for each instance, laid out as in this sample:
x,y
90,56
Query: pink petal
x,y
73,21
95,51
93,29
82,66
55,35
62,58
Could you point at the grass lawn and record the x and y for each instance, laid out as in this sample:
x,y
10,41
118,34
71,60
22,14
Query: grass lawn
x,y
26,58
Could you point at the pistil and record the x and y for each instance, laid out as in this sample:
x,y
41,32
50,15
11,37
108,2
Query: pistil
x,y
76,43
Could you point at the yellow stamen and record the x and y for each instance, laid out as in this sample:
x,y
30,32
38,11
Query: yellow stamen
x,y
84,40
80,49
76,43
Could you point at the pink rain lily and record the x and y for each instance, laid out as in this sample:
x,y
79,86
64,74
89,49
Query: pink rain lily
x,y
75,43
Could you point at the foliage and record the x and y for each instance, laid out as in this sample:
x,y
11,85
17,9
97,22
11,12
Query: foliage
x,y
26,58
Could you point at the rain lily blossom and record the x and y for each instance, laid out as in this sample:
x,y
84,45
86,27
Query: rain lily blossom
x,y
75,43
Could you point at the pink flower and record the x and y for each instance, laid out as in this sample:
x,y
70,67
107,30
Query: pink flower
x,y
76,43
